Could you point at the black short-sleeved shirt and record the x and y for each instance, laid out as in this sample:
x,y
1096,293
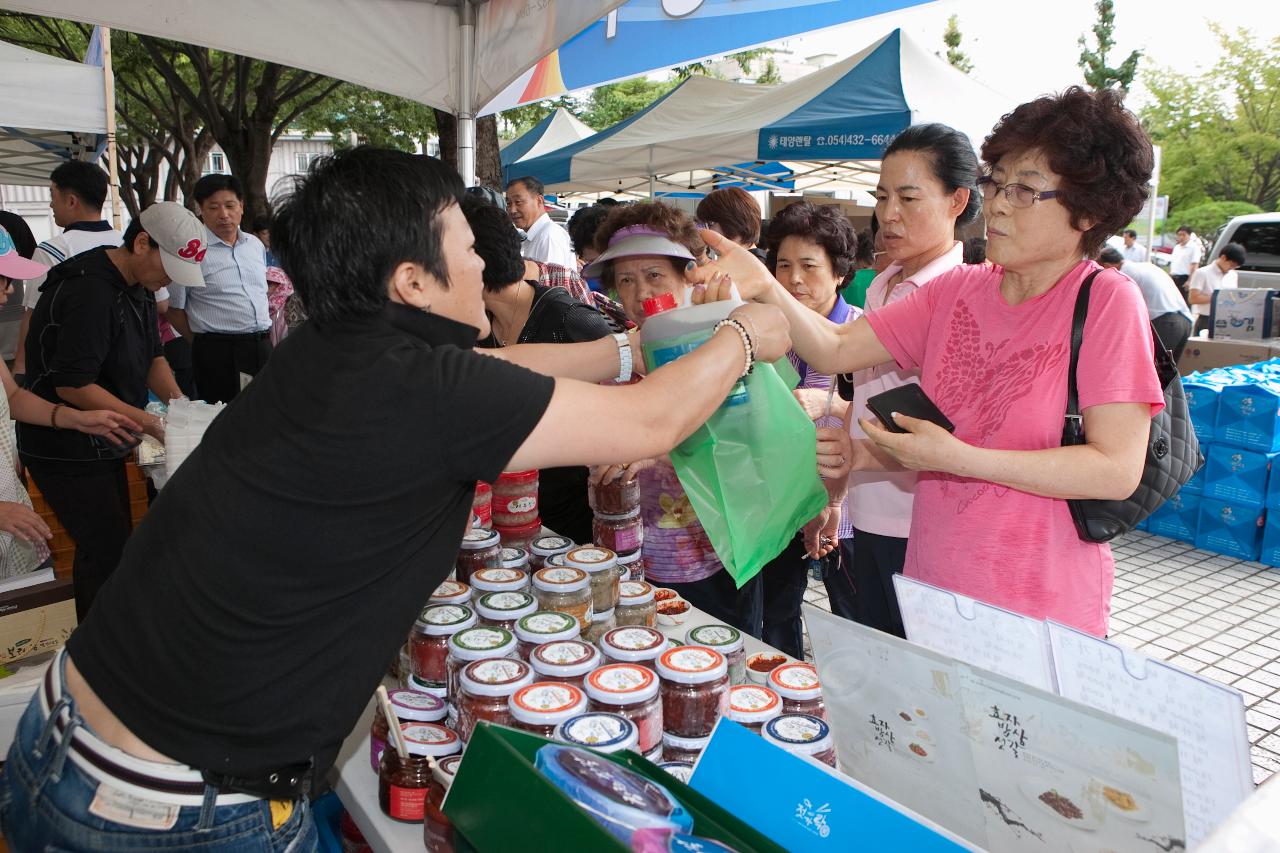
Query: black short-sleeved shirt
x,y
259,602
89,327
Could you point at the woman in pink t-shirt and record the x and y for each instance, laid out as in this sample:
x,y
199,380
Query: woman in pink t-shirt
x,y
991,344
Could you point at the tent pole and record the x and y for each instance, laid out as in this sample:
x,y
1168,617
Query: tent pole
x,y
652,176
466,97
1155,198
113,154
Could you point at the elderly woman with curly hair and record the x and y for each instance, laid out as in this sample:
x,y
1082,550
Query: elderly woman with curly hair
x,y
992,345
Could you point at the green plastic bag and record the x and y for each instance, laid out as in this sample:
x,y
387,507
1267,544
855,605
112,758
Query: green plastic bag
x,y
750,471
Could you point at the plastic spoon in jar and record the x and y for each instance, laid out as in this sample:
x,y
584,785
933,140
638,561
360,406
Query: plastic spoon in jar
x,y
397,736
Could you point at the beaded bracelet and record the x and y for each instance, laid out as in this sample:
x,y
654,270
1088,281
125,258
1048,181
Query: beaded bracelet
x,y
749,359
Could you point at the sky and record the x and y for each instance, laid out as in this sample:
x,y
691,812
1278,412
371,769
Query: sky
x,y
1025,48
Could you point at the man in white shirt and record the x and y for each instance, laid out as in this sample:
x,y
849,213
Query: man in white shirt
x,y
1133,250
1215,276
1186,257
1169,313
544,240
77,192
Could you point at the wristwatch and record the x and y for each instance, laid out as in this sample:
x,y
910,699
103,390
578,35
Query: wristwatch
x,y
625,358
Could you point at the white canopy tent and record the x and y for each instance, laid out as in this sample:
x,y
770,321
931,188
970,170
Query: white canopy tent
x,y
452,54
52,110
557,130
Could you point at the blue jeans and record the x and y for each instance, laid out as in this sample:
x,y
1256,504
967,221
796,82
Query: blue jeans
x,y
45,800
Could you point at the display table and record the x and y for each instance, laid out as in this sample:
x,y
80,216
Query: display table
x,y
357,786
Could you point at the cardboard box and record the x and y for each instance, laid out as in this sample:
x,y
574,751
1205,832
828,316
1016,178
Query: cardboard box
x,y
1232,529
1249,416
36,619
1206,354
1236,475
1244,314
1177,518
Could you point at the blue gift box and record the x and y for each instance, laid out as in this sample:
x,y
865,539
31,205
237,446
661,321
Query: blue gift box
x,y
1202,405
1236,475
1232,529
1177,518
1195,486
1249,416
1272,500
1271,540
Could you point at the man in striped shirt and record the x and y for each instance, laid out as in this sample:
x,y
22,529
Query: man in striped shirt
x,y
77,191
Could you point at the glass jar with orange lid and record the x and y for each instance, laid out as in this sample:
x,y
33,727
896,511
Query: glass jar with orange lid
x,y
499,580
727,641
800,689
485,688
451,592
752,705
542,706
631,691
695,690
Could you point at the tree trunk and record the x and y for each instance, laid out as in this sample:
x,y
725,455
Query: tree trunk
x,y
488,161
249,156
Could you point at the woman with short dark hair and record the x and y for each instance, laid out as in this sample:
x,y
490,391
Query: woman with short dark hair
x,y
732,212
992,345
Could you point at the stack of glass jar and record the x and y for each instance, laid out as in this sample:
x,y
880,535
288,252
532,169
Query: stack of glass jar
x,y
601,566
617,524
515,508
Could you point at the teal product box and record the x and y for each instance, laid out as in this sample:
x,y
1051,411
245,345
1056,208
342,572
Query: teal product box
x,y
1202,405
1271,540
1272,500
1236,475
1195,486
1177,518
1231,529
1142,525
1249,416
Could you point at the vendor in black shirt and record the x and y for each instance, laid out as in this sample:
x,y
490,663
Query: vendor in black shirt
x,y
93,344
281,567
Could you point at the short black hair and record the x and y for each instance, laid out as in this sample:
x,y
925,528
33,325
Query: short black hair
x,y
86,180
262,222
530,183
352,218
1184,229
1129,232
210,184
489,194
820,223
1233,252
131,233
975,250
497,242
584,224
1110,255
955,164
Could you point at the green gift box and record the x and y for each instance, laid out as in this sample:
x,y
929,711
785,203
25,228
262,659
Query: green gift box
x,y
499,802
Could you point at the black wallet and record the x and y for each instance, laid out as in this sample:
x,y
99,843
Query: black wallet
x,y
909,400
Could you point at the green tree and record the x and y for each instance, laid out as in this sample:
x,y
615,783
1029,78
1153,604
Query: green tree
x,y
375,118
1206,219
609,104
1220,130
518,120
951,37
1093,61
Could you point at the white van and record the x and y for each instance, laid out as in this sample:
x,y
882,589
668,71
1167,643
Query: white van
x,y
1259,233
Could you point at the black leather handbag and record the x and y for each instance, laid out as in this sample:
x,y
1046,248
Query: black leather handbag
x,y
1173,452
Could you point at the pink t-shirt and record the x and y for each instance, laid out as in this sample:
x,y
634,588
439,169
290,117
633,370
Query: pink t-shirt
x,y
999,372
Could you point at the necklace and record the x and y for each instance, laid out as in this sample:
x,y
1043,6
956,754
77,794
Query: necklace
x,y
508,323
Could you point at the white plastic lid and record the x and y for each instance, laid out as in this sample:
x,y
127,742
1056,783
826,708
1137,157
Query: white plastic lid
x,y
601,731
430,739
547,703
681,770
560,579
564,658
417,685
622,684
545,546
417,706
442,620
602,615
692,665
556,559
482,642
445,769
628,559
633,644
591,558
750,704
499,580
514,558
803,734
722,638
451,592
495,676
504,606
634,593
796,681
547,625
477,538
685,744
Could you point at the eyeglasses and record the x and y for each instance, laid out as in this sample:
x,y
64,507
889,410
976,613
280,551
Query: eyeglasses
x,y
1018,195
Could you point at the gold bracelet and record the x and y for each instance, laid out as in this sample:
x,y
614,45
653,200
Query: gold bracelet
x,y
53,415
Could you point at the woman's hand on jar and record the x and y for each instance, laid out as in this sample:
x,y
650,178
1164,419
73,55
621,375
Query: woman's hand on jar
x,y
924,446
713,281
625,472
22,521
768,328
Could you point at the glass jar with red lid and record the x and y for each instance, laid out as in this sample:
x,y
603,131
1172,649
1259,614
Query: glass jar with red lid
x,y
500,580
753,705
451,592
600,564
728,642
542,706
521,536
601,731
485,686
403,782
566,661
565,590
437,829
475,644
633,565
695,690
630,690
410,706
636,605
504,609
482,505
622,534
481,549
545,626
802,734
515,499
633,645
429,642
547,546
614,498
683,748
800,689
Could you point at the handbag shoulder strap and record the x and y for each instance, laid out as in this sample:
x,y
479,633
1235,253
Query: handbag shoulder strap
x,y
1077,338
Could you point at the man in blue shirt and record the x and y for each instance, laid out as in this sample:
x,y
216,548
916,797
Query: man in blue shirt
x,y
226,320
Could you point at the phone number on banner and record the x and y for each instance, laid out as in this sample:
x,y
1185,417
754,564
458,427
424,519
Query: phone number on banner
x,y
831,139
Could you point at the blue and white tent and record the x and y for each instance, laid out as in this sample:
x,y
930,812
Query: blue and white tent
x,y
845,113
557,130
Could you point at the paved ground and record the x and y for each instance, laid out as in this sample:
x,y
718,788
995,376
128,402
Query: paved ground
x,y
1210,614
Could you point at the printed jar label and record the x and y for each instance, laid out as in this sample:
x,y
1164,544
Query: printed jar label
x,y
634,589
797,676
751,699
564,653
635,639
797,729
415,700
427,733
547,623
449,589
589,555
691,660
714,635
551,543
622,678
500,575
562,574
481,638
548,697
496,671
408,803
445,614
507,600
596,728
479,535
520,506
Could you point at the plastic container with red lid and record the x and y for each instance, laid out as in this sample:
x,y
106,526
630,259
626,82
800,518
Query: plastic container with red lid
x,y
499,580
482,505
485,690
541,707
658,304
520,536
695,690
630,690
515,499
800,689
564,660
635,644
752,705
